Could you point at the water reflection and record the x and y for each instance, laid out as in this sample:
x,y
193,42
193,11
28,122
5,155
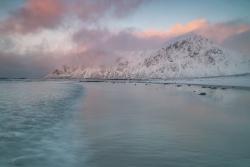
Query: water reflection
x,y
128,125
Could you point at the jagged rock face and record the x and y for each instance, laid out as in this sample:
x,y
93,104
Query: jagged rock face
x,y
193,56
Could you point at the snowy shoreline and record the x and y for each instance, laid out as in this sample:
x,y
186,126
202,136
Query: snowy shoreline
x,y
232,81
242,81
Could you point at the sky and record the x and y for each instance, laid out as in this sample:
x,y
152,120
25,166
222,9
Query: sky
x,y
38,36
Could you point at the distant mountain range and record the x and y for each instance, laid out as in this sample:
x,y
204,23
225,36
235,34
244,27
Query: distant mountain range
x,y
186,56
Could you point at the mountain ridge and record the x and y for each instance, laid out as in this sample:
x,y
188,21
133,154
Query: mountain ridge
x,y
189,55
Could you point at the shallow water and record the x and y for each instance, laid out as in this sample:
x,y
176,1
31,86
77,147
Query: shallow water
x,y
105,124
167,126
37,125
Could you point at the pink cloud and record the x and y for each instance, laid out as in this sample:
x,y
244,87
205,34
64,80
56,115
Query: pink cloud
x,y
219,31
174,30
132,39
34,16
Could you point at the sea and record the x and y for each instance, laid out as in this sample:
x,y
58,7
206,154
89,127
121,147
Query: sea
x,y
67,123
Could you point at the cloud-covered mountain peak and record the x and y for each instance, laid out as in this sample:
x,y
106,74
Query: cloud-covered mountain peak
x,y
189,55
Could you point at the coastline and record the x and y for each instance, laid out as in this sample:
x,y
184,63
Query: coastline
x,y
235,82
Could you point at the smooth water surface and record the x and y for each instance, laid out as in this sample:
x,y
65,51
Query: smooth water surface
x,y
158,125
105,124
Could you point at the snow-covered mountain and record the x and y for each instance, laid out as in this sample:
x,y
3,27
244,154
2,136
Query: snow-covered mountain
x,y
189,55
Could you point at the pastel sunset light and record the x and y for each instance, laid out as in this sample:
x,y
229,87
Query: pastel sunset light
x,y
37,36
